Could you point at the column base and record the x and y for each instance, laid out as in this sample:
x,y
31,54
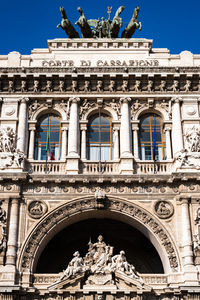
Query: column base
x,y
126,165
191,276
72,165
8,275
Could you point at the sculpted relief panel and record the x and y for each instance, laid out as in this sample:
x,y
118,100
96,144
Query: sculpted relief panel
x,y
164,209
190,155
9,155
36,209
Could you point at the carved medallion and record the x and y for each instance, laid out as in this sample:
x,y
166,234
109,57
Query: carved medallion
x,y
36,209
9,111
164,209
65,190
191,110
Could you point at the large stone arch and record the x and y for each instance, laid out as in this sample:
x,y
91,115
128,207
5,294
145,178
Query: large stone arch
x,y
87,207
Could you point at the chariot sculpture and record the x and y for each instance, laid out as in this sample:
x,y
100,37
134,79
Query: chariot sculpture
x,y
96,28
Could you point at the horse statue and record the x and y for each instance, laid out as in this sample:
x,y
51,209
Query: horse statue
x,y
67,26
83,24
116,23
133,25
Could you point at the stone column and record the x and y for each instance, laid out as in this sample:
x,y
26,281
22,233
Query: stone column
x,y
135,128
168,142
177,134
13,233
83,141
73,156
186,231
32,128
116,143
125,130
21,133
64,143
73,128
125,138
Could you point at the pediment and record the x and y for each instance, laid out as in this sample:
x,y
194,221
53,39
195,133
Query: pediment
x,y
107,282
68,283
123,281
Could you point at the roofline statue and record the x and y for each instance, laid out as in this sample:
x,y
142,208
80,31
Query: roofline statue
x,y
116,23
100,28
67,26
132,25
83,24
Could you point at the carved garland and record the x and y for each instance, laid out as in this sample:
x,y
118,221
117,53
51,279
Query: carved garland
x,y
78,206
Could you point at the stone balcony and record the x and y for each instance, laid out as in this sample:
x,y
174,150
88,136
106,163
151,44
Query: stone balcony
x,y
95,168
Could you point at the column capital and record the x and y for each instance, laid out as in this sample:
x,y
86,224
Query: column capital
x,y
167,126
74,100
32,126
135,125
125,99
24,100
64,128
83,127
183,200
176,99
116,128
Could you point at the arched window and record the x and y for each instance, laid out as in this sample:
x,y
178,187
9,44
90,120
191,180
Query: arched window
x,y
99,138
152,138
48,138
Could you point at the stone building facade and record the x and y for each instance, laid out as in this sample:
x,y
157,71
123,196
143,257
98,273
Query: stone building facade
x,y
100,137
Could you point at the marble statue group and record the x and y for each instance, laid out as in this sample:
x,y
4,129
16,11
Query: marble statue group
x,y
99,260
100,28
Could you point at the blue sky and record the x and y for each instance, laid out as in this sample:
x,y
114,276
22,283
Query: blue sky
x,y
25,25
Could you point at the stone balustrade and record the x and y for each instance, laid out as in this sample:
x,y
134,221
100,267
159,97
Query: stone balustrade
x,y
40,167
44,279
155,279
92,167
149,167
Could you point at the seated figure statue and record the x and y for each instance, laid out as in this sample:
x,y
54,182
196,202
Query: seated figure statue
x,y
74,267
